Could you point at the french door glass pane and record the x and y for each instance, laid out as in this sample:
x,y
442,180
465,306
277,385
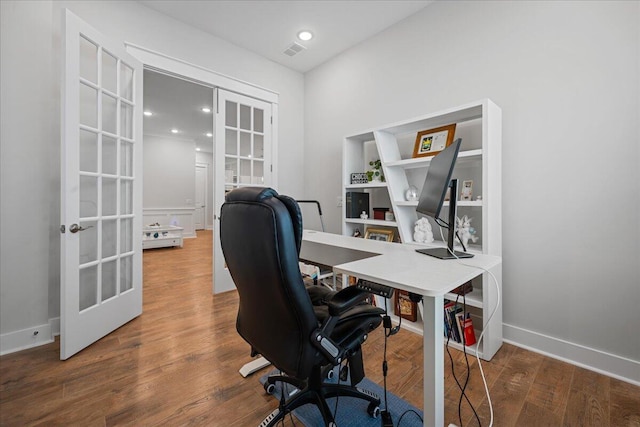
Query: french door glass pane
x,y
109,238
258,120
245,144
109,155
231,170
126,81
126,197
231,111
245,171
231,142
109,279
88,292
109,196
258,172
88,60
126,235
109,72
126,273
88,151
88,196
126,120
88,106
258,146
109,113
245,117
88,242
126,159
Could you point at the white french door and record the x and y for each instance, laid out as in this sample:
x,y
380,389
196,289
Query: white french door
x,y
242,156
101,187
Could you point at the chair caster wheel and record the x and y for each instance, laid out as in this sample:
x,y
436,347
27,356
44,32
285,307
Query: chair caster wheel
x,y
330,374
373,410
269,388
344,373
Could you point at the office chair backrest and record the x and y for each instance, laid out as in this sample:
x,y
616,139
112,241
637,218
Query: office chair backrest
x,y
261,233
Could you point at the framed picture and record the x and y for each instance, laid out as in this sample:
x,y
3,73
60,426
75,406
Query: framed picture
x,y
467,190
431,142
404,307
383,234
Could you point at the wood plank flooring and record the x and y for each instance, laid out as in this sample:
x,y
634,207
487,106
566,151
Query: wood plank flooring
x,y
177,365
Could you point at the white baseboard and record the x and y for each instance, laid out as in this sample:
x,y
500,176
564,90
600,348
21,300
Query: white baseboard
x,y
30,337
595,360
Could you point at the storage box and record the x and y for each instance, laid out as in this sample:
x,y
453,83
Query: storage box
x,y
378,213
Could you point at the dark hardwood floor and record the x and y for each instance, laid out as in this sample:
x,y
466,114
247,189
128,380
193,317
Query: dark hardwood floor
x,y
177,364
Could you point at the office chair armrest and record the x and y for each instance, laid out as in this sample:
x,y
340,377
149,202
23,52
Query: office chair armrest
x,y
345,299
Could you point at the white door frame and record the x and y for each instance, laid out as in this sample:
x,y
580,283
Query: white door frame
x,y
178,68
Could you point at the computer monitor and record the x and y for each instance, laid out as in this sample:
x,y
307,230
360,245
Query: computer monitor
x,y
434,191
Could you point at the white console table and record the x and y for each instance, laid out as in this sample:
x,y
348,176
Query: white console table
x,y
161,236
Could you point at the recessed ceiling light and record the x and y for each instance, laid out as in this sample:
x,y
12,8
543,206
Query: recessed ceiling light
x,y
174,130
206,109
209,134
305,35
148,113
197,148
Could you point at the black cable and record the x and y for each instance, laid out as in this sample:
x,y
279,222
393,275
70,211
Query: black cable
x,y
335,409
453,373
384,359
407,412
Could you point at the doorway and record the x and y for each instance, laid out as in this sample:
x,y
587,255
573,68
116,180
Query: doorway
x,y
178,153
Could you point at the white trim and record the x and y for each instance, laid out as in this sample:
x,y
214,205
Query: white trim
x,y
164,63
34,336
599,361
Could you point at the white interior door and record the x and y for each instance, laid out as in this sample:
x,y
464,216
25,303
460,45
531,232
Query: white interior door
x,y
201,194
101,206
242,156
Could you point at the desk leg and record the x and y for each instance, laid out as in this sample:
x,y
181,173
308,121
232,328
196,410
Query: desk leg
x,y
433,342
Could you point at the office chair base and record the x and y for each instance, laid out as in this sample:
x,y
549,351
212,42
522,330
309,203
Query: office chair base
x,y
316,392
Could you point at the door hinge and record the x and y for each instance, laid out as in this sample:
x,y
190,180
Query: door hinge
x,y
271,168
271,119
63,228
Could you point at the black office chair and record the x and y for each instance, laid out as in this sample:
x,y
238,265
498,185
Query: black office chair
x,y
301,331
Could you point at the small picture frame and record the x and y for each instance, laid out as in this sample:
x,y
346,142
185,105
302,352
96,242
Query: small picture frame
x,y
431,142
466,193
404,307
382,234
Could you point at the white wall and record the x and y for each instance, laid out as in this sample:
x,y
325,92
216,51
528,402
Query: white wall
x,y
29,168
169,172
566,75
30,78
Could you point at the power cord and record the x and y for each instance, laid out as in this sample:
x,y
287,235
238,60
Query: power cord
x,y
493,312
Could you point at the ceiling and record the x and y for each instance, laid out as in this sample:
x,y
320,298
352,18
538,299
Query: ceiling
x,y
268,28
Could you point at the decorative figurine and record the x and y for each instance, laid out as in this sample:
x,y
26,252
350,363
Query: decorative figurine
x,y
465,231
422,231
364,215
356,233
411,194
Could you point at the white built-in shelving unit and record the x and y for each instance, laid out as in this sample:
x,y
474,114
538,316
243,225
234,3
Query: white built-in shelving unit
x,y
479,124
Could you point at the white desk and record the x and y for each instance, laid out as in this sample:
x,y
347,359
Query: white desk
x,y
400,267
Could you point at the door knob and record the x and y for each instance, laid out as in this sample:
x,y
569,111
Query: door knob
x,y
74,228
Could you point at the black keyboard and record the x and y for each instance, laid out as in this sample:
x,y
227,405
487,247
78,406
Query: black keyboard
x,y
375,288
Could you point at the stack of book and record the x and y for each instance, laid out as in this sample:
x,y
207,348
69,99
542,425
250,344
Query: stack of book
x,y
457,326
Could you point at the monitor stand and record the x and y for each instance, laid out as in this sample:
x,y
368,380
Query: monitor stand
x,y
446,253
443,253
